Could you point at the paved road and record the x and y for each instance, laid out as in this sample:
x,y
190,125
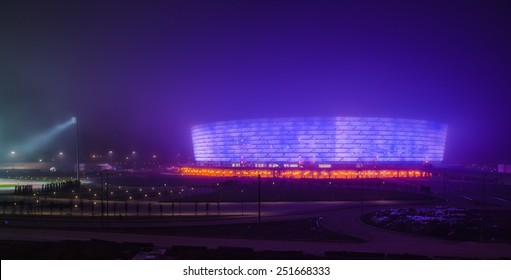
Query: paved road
x,y
341,218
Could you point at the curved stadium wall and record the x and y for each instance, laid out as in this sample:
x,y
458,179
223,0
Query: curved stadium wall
x,y
319,140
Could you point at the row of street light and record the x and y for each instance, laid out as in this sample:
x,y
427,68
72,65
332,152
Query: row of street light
x,y
109,156
13,156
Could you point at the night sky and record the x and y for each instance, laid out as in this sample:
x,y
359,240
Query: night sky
x,y
139,74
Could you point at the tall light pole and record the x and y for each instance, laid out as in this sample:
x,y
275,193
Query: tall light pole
x,y
75,120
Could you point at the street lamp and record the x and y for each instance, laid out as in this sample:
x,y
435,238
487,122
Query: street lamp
x,y
154,160
110,156
60,160
133,154
13,154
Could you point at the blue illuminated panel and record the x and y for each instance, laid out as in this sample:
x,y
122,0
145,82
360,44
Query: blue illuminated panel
x,y
337,139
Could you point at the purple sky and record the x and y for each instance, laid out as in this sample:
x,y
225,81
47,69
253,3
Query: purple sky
x,y
139,75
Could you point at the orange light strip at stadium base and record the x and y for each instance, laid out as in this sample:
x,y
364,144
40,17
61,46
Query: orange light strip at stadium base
x,y
302,173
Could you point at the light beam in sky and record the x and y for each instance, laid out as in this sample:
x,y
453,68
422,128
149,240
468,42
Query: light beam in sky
x,y
39,141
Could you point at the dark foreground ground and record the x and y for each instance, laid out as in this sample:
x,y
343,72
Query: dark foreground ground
x,y
420,207
297,230
106,250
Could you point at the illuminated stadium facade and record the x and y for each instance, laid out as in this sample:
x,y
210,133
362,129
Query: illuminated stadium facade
x,y
324,143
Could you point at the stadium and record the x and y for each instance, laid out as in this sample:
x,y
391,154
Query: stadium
x,y
334,147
